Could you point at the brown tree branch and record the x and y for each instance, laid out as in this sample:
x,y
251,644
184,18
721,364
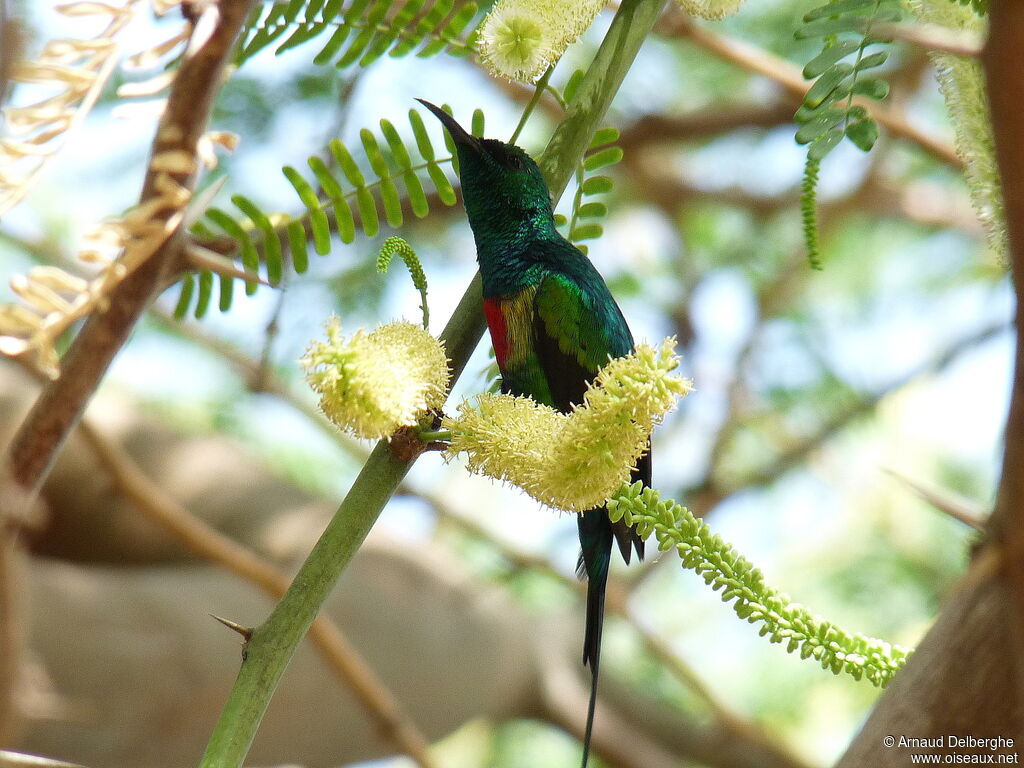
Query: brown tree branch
x,y
676,23
933,37
12,624
656,128
12,621
201,539
925,203
1003,61
62,402
9,39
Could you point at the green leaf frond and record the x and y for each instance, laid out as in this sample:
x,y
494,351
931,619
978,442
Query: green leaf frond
x,y
361,31
809,210
722,568
585,213
570,87
398,246
962,83
339,199
840,72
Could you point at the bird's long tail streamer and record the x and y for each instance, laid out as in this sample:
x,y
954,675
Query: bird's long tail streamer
x,y
595,558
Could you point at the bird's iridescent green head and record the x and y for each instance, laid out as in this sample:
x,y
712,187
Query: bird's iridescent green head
x,y
504,191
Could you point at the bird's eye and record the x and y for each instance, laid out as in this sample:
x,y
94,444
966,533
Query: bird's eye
x,y
514,162
508,157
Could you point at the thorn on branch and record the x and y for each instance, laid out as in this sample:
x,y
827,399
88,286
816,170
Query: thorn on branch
x,y
200,257
245,632
945,501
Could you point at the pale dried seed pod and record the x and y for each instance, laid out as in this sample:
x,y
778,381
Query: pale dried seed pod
x,y
150,87
150,56
16,319
57,279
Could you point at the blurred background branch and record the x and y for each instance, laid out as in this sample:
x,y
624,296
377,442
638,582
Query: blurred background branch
x,y
9,38
12,618
679,24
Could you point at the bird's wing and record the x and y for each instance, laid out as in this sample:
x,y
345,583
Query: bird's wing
x,y
575,333
569,337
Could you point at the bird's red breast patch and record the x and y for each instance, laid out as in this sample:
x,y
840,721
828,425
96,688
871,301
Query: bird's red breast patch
x,y
498,327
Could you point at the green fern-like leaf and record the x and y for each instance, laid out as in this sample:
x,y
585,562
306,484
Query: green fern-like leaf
x,y
361,31
199,285
842,71
572,84
725,570
396,246
205,291
809,210
357,200
582,224
188,286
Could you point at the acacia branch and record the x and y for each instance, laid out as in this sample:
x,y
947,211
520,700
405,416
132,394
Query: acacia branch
x,y
1003,61
62,402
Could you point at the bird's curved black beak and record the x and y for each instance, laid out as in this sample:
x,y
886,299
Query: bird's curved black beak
x,y
460,135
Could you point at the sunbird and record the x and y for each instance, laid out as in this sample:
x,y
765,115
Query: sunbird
x,y
553,324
